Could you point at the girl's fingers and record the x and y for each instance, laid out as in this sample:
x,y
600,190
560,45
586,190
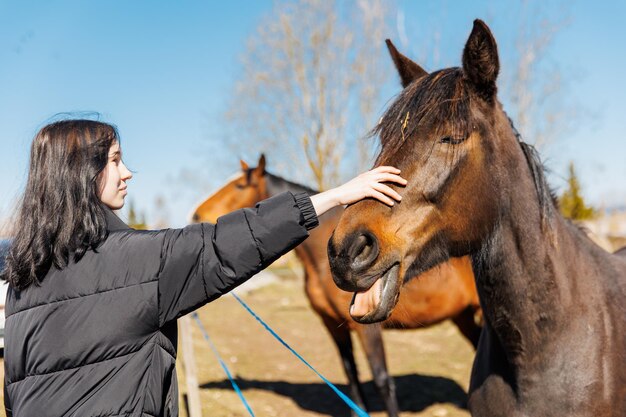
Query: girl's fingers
x,y
371,184
385,189
381,197
391,178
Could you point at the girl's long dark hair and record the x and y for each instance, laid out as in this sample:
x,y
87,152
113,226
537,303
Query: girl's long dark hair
x,y
60,214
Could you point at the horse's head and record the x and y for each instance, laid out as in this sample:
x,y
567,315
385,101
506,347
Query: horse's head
x,y
244,190
448,134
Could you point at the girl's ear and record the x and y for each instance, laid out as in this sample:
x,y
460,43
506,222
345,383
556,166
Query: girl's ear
x,y
409,71
480,60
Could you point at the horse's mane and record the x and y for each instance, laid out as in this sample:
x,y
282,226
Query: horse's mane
x,y
546,197
277,185
548,202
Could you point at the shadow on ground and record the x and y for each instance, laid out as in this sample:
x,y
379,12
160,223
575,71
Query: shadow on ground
x,y
415,393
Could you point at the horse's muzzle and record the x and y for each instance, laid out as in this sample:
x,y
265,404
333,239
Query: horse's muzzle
x,y
356,254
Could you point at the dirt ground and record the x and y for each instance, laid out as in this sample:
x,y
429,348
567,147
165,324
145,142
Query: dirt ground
x,y
431,367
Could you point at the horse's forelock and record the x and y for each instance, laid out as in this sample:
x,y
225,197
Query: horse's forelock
x,y
441,99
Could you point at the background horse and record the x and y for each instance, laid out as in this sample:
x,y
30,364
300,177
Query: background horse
x,y
445,292
554,303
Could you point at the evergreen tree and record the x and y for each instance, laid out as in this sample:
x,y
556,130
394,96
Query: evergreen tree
x,y
571,202
133,218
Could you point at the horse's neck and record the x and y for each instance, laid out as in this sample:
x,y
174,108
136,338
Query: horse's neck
x,y
532,274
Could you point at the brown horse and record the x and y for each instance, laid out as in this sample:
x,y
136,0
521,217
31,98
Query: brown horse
x,y
554,303
445,292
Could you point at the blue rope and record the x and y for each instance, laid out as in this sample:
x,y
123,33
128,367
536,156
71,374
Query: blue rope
x,y
224,367
360,412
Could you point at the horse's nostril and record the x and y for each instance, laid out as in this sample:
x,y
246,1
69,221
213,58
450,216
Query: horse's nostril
x,y
358,246
363,251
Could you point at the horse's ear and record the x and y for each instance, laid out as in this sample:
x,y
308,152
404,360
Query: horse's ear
x,y
244,166
480,60
261,165
409,71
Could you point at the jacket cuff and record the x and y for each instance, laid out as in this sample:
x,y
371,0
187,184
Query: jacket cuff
x,y
303,201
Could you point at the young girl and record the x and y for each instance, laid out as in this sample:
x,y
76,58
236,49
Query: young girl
x,y
92,308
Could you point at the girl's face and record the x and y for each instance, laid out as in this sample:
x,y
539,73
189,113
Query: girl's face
x,y
112,180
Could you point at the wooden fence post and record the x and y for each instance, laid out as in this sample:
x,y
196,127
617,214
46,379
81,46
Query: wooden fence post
x,y
193,392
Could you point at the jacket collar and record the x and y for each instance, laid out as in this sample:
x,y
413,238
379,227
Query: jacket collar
x,y
114,223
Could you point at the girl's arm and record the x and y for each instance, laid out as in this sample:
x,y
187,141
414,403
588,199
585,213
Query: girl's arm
x,y
203,261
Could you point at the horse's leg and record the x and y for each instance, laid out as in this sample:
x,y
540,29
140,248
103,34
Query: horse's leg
x,y
466,323
372,341
341,335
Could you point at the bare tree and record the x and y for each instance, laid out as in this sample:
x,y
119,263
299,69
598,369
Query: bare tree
x,y
535,87
310,89
313,72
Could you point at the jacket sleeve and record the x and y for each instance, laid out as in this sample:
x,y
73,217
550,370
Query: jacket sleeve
x,y
201,262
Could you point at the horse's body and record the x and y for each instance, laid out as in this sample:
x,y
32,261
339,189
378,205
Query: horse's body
x,y
554,303
445,292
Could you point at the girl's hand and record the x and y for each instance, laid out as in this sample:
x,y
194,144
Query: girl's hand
x,y
368,184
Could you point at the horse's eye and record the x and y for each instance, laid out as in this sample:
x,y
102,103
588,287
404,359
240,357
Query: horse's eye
x,y
240,186
450,140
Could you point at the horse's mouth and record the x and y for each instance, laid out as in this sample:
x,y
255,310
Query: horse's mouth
x,y
377,302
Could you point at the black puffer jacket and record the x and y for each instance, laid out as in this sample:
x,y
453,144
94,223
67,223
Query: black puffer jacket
x,y
98,338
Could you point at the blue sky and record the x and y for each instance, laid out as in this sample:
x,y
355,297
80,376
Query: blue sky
x,y
163,71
